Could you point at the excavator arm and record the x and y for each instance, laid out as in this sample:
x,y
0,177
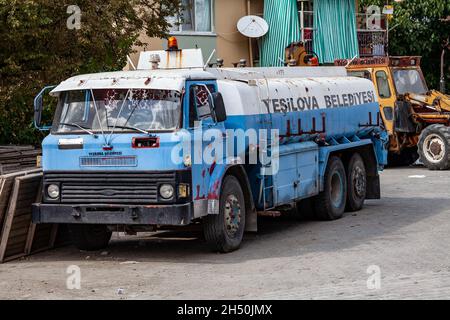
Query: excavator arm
x,y
433,100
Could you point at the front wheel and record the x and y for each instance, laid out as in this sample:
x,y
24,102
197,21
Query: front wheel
x,y
90,237
224,232
434,147
330,203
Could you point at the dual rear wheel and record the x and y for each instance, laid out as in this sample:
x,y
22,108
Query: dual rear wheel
x,y
343,189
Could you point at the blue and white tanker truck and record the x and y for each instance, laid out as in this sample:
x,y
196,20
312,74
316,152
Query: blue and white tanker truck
x,y
172,144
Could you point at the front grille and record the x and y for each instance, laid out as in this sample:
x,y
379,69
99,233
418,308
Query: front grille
x,y
109,187
122,161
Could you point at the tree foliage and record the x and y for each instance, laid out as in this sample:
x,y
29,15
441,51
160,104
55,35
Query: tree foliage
x,y
418,29
37,48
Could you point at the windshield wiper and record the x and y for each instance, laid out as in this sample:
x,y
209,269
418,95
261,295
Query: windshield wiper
x,y
77,126
132,128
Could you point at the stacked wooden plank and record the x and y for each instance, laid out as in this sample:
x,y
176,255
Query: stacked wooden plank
x,y
18,191
20,237
6,188
16,158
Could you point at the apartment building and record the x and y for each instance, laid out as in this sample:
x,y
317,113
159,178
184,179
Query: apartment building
x,y
331,28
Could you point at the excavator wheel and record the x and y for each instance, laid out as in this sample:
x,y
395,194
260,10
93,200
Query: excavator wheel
x,y
434,147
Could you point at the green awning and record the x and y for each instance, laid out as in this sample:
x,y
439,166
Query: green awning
x,y
284,28
335,34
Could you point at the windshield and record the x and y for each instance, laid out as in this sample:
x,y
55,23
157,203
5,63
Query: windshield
x,y
118,110
409,80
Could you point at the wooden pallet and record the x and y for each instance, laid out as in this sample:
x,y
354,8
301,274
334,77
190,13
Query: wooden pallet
x,y
19,236
6,186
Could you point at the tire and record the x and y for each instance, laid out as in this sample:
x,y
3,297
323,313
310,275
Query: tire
x,y
356,183
330,203
224,232
434,147
90,237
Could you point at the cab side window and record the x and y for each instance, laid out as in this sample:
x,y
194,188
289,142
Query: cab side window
x,y
200,107
383,85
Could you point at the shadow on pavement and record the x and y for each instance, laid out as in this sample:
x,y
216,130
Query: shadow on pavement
x,y
277,237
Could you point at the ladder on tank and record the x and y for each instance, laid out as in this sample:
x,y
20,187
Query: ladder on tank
x,y
267,187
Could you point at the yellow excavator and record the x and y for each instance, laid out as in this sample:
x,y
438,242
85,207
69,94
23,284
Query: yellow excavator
x,y
417,119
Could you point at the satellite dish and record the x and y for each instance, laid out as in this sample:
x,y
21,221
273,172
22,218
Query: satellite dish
x,y
252,26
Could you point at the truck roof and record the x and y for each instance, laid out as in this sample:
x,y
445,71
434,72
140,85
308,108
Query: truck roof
x,y
140,79
173,79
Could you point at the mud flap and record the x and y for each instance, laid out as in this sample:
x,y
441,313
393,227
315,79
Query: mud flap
x,y
373,191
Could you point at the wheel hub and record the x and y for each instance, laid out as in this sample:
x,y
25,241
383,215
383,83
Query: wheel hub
x,y
359,182
232,214
434,148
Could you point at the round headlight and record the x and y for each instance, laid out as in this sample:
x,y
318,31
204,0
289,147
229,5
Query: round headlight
x,y
166,191
53,191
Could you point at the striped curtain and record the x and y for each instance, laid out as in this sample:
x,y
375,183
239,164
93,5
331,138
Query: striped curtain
x,y
335,34
284,28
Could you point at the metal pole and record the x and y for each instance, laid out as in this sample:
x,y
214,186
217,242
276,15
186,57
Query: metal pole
x,y
442,80
387,36
250,44
302,21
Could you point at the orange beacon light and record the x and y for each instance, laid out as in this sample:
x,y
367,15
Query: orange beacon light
x,y
172,44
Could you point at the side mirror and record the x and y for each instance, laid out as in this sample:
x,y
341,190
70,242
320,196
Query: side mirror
x,y
39,108
219,107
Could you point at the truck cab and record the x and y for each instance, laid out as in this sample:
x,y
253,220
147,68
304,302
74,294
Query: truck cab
x,y
111,155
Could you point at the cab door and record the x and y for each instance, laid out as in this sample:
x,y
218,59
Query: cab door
x,y
206,133
386,95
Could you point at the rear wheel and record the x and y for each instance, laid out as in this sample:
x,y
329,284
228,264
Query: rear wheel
x,y
356,182
90,237
224,232
434,147
330,204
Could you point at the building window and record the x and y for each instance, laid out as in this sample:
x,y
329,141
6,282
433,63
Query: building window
x,y
197,16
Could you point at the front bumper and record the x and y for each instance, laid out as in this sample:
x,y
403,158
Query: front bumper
x,y
170,215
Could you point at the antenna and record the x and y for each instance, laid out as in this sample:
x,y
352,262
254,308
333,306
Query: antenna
x,y
209,59
131,62
350,62
253,26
